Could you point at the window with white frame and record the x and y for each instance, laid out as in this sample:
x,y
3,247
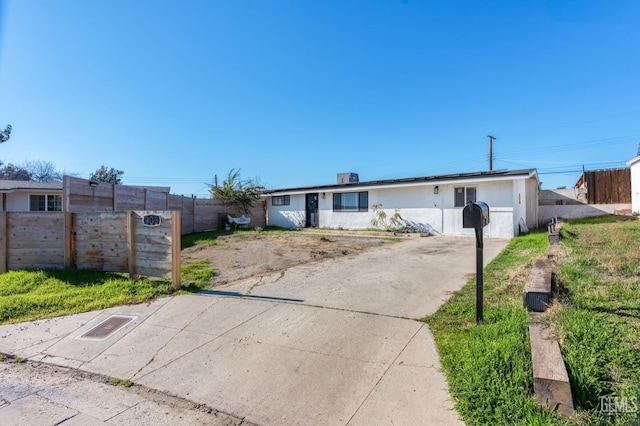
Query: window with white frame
x,y
45,203
351,202
464,196
281,200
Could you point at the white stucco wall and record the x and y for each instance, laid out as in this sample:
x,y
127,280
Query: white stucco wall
x,y
519,203
532,201
635,184
417,204
500,223
17,202
291,216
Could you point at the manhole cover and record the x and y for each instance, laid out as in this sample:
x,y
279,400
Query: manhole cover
x,y
107,327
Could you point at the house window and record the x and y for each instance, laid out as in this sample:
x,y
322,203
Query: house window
x,y
280,200
45,203
351,202
465,196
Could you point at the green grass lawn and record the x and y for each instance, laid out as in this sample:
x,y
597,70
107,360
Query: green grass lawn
x,y
489,366
29,295
597,318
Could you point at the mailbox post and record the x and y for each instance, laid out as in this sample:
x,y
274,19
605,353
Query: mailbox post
x,y
476,215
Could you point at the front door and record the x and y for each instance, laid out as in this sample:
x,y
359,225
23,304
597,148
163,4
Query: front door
x,y
312,210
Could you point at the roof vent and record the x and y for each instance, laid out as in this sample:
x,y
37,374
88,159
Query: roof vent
x,y
347,178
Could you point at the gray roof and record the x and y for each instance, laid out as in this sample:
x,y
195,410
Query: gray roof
x,y
426,179
26,185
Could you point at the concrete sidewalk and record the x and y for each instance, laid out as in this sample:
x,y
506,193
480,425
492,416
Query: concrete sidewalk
x,y
38,394
323,344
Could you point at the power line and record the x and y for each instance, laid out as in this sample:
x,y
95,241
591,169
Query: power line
x,y
574,145
574,122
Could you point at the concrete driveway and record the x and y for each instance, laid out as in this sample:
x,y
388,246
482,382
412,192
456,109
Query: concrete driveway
x,y
326,343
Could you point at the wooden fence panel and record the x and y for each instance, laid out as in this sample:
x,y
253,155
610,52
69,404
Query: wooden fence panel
x,y
34,240
188,215
156,200
156,251
129,198
206,214
198,214
175,202
100,241
611,186
107,241
80,196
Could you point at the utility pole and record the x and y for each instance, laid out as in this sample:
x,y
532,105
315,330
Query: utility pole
x,y
491,138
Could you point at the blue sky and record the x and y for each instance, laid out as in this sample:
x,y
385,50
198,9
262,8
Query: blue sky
x,y
293,92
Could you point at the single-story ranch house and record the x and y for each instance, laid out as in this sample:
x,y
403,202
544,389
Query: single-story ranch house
x,y
24,196
432,203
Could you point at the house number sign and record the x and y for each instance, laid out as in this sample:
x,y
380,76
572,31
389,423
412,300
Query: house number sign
x,y
151,220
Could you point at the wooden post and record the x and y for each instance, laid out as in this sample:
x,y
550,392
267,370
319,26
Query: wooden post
x,y
182,208
145,199
114,204
66,193
131,237
3,242
68,240
193,227
176,228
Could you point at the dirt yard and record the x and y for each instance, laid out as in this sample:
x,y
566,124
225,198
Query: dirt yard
x,y
248,254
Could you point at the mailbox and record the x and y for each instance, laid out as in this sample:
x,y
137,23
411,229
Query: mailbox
x,y
475,215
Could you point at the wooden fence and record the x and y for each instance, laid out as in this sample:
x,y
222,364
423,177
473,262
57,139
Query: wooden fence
x,y
611,186
198,214
101,241
34,240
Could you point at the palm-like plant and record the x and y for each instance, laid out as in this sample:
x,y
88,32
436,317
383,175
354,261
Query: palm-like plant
x,y
237,192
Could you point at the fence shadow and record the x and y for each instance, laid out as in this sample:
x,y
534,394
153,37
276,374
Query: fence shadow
x,y
82,277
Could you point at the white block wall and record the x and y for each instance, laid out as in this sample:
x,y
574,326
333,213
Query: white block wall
x,y
635,187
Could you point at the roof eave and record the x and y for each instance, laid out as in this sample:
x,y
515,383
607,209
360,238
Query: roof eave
x,y
407,182
633,161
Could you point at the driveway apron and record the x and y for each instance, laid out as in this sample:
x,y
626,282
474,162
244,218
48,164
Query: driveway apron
x,y
334,342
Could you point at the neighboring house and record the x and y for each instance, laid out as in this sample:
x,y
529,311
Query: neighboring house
x,y
635,184
430,203
24,196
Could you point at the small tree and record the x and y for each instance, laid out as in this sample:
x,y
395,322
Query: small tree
x,y
14,172
236,192
43,171
110,175
5,134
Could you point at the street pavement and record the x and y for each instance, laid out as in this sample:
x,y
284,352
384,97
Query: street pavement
x,y
329,343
